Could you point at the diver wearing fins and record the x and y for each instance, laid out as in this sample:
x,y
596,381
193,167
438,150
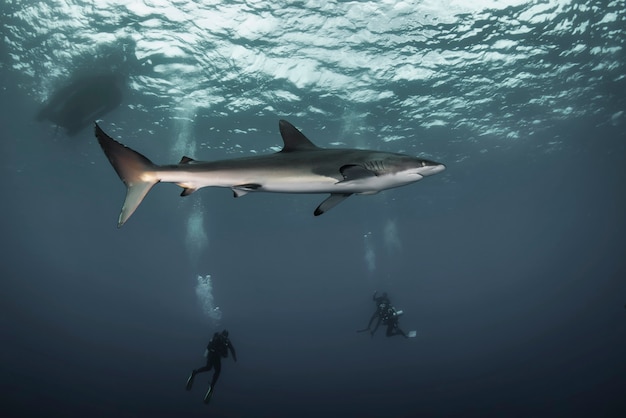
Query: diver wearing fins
x,y
388,315
217,348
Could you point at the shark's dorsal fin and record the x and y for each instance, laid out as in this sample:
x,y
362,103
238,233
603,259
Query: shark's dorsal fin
x,y
186,160
294,139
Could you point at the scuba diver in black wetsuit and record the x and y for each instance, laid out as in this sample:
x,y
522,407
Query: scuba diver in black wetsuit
x,y
388,315
382,304
217,348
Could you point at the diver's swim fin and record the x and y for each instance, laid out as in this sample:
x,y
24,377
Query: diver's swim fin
x,y
190,381
412,334
208,395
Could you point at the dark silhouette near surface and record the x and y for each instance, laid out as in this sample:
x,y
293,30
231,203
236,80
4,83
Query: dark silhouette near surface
x,y
217,348
388,315
83,101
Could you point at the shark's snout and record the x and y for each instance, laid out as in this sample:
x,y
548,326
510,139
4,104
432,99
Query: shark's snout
x,y
428,168
434,169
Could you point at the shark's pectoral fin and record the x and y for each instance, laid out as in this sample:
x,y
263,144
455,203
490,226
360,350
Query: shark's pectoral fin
x,y
330,202
243,189
352,172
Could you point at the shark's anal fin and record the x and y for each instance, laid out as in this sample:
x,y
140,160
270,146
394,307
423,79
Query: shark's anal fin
x,y
330,202
351,172
186,190
243,189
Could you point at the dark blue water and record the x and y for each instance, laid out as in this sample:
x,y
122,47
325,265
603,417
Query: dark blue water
x,y
510,264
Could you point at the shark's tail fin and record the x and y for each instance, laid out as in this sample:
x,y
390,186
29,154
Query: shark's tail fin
x,y
136,171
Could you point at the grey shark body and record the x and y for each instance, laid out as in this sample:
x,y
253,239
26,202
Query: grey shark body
x,y
300,167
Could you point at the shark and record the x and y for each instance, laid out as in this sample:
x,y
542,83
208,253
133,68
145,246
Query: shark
x,y
299,167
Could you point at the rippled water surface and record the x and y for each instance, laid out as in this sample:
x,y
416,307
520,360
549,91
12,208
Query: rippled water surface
x,y
383,70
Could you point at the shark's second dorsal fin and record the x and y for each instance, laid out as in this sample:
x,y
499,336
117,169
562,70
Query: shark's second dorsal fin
x,y
294,139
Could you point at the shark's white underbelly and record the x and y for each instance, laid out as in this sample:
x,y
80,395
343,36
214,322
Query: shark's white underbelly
x,y
278,181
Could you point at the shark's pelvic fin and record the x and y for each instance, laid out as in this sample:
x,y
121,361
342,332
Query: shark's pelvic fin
x,y
294,139
330,202
136,171
187,191
243,189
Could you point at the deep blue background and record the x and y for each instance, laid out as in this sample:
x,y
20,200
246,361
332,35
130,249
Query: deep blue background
x,y
513,277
